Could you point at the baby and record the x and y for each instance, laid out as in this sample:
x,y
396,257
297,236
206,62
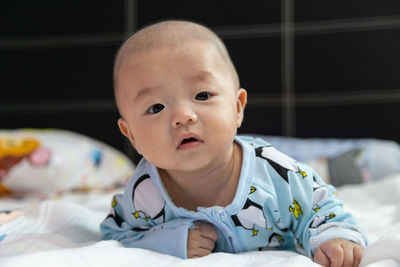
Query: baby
x,y
200,188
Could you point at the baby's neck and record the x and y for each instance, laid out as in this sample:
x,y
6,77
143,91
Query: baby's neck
x,y
215,186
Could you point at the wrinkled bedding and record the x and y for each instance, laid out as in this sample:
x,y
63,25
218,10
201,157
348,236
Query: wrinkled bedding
x,y
64,231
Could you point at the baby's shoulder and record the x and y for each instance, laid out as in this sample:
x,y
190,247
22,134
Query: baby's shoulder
x,y
253,141
143,184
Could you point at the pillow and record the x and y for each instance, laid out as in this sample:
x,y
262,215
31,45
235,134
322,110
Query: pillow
x,y
342,161
50,162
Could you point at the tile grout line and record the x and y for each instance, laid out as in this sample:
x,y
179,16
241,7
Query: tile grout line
x,y
130,17
287,75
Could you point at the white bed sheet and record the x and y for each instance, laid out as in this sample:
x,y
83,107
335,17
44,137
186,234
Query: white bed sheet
x,y
65,232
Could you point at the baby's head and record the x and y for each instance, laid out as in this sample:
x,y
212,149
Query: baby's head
x,y
178,94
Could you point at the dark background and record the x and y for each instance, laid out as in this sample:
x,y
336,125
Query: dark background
x,y
312,68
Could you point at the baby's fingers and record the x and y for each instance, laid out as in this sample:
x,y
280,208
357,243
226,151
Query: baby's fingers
x,y
357,252
321,258
338,252
198,251
198,241
207,230
201,240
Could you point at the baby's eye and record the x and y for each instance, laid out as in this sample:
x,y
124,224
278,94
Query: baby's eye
x,y
155,108
203,96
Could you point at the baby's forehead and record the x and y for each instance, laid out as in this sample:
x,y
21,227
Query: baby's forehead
x,y
197,58
193,54
171,34
193,46
153,47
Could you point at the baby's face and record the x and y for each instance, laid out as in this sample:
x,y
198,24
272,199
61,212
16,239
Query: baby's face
x,y
179,105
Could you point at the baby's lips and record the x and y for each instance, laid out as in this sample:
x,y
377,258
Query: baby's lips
x,y
40,157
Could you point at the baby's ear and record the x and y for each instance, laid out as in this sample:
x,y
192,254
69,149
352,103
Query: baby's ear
x,y
240,105
124,128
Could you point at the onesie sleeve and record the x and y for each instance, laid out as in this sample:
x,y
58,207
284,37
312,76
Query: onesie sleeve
x,y
168,238
318,214
138,219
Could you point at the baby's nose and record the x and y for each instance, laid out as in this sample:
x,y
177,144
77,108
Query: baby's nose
x,y
183,117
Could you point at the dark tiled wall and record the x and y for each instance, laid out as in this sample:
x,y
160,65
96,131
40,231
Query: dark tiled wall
x,y
312,68
57,73
24,18
348,61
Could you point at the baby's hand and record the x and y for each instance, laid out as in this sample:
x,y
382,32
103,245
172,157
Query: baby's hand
x,y
338,252
201,239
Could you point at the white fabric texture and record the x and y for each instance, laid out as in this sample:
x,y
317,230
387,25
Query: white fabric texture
x,y
65,232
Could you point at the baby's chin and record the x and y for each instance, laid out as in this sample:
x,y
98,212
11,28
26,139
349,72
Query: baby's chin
x,y
187,166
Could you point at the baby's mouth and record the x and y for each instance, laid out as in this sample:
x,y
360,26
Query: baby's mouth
x,y
189,142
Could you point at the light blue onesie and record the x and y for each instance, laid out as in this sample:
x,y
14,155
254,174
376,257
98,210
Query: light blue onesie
x,y
279,204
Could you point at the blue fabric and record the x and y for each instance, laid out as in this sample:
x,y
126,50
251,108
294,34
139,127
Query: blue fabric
x,y
279,204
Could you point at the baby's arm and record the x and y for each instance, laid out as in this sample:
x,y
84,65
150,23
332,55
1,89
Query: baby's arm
x,y
338,252
321,217
133,229
167,238
201,240
139,218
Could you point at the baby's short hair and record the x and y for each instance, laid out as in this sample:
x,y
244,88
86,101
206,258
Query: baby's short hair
x,y
171,32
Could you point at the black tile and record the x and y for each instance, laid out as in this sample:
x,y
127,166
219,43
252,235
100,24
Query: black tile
x,y
342,9
56,73
258,63
353,61
19,18
210,12
357,121
262,120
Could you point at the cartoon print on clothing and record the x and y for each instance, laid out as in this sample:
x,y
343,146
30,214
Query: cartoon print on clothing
x,y
296,210
270,207
147,199
252,189
275,240
320,194
118,220
318,220
299,246
251,215
140,228
281,226
279,161
114,202
303,174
